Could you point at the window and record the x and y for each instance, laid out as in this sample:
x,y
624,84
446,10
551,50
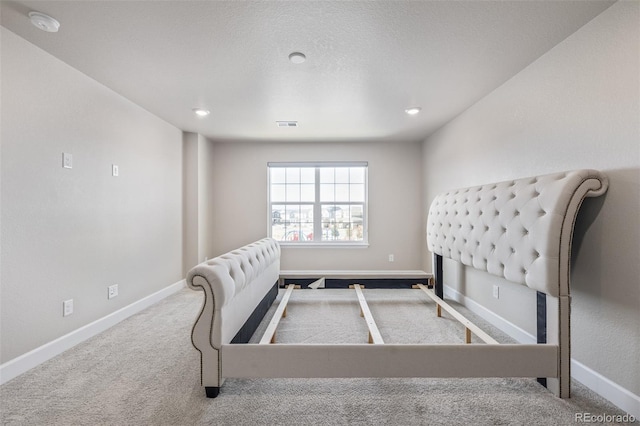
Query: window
x,y
318,203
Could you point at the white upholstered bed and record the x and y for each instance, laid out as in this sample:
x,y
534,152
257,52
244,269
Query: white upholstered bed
x,y
520,230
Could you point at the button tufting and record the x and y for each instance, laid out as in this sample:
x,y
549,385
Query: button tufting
x,y
494,208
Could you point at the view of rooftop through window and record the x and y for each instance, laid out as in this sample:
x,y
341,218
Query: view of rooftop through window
x,y
318,203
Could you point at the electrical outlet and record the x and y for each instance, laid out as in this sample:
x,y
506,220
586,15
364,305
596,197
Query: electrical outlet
x,y
115,171
496,291
391,258
67,160
67,307
113,291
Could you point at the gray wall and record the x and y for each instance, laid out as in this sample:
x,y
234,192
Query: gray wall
x,y
575,107
198,199
206,199
395,190
68,234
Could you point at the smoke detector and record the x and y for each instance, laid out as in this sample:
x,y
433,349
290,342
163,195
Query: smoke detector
x,y
44,22
297,57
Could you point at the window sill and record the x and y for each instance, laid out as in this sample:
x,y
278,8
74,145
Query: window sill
x,y
286,244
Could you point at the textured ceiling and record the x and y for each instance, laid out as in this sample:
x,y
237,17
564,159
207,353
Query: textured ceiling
x,y
366,61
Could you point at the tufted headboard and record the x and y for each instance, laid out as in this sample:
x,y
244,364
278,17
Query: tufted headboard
x,y
520,229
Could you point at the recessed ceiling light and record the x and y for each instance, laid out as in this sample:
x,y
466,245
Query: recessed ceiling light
x,y
297,57
200,112
413,110
44,22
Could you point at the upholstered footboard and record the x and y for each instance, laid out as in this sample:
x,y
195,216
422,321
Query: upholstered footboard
x,y
238,288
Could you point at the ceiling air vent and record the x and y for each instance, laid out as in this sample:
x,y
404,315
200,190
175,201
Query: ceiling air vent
x,y
287,123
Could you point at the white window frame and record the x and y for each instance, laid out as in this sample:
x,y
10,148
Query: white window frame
x,y
317,204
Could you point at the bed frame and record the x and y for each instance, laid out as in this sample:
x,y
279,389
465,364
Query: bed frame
x,y
520,230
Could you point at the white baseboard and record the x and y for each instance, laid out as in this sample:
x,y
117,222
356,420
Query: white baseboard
x,y
611,391
621,397
25,362
520,335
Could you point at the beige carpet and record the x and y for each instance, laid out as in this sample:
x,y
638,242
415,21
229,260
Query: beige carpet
x,y
144,371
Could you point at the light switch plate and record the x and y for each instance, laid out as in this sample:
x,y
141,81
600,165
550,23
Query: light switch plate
x,y
115,170
67,160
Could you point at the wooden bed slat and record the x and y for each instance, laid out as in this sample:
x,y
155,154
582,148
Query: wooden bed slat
x,y
469,326
269,335
374,333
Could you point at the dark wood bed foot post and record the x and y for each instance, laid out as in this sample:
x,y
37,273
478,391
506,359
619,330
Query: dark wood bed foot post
x,y
212,391
541,325
437,276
